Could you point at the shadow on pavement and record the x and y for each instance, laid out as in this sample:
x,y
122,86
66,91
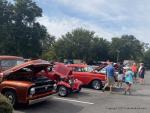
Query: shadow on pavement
x,y
50,106
79,95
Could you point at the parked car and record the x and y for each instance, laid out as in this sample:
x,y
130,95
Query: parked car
x,y
94,78
25,84
7,62
64,79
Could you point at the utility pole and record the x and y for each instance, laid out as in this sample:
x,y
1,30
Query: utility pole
x,y
118,55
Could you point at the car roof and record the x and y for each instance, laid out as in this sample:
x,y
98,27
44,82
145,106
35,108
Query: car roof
x,y
5,57
77,65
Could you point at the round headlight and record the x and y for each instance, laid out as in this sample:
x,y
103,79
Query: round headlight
x,y
70,81
32,91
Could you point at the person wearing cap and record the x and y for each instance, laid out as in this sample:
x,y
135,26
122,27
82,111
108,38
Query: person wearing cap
x,y
128,80
141,72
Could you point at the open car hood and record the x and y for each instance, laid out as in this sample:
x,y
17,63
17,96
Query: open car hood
x,y
36,65
99,67
62,70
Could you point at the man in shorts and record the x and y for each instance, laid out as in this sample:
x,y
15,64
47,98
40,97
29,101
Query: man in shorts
x,y
109,77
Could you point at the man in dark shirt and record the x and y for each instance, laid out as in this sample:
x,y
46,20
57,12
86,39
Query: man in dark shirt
x,y
120,75
110,76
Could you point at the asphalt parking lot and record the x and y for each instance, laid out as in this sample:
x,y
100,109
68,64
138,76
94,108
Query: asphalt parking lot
x,y
93,101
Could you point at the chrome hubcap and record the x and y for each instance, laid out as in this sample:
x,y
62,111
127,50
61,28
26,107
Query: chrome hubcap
x,y
96,85
62,91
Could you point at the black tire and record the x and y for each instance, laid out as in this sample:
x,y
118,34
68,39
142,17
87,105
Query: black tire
x,y
79,89
96,84
11,95
63,91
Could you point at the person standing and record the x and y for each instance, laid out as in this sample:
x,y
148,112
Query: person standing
x,y
109,77
120,75
141,72
134,70
128,80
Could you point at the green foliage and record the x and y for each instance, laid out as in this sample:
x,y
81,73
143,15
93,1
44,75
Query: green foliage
x,y
49,55
128,47
20,34
74,45
146,58
82,44
5,106
100,49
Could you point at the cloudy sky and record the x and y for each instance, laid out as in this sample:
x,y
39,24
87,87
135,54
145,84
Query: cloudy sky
x,y
108,18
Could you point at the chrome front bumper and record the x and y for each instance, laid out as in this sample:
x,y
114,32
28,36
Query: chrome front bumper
x,y
39,100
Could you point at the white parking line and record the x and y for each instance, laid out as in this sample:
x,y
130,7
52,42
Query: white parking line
x,y
77,101
93,91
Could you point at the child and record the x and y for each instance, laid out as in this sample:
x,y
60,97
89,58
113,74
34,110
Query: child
x,y
128,80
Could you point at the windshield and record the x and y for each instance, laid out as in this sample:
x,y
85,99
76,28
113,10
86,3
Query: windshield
x,y
89,69
83,69
5,64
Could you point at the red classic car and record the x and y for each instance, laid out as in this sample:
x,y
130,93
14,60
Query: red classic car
x,y
92,77
65,81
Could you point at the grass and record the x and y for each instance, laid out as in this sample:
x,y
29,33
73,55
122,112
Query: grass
x,y
5,105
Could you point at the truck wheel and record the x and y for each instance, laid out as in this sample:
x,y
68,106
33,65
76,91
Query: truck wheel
x,y
62,91
11,96
96,84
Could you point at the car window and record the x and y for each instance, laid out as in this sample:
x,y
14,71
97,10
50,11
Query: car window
x,y
5,64
103,70
89,69
78,69
26,70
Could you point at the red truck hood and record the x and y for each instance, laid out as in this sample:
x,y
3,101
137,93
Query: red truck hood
x,y
62,70
37,65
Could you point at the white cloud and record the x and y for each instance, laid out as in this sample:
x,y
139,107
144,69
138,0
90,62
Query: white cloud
x,y
113,17
58,27
108,9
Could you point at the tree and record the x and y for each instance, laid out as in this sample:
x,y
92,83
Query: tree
x,y
127,47
100,49
20,34
82,44
146,58
75,44
6,12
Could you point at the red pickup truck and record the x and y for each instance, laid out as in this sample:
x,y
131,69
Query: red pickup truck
x,y
22,82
